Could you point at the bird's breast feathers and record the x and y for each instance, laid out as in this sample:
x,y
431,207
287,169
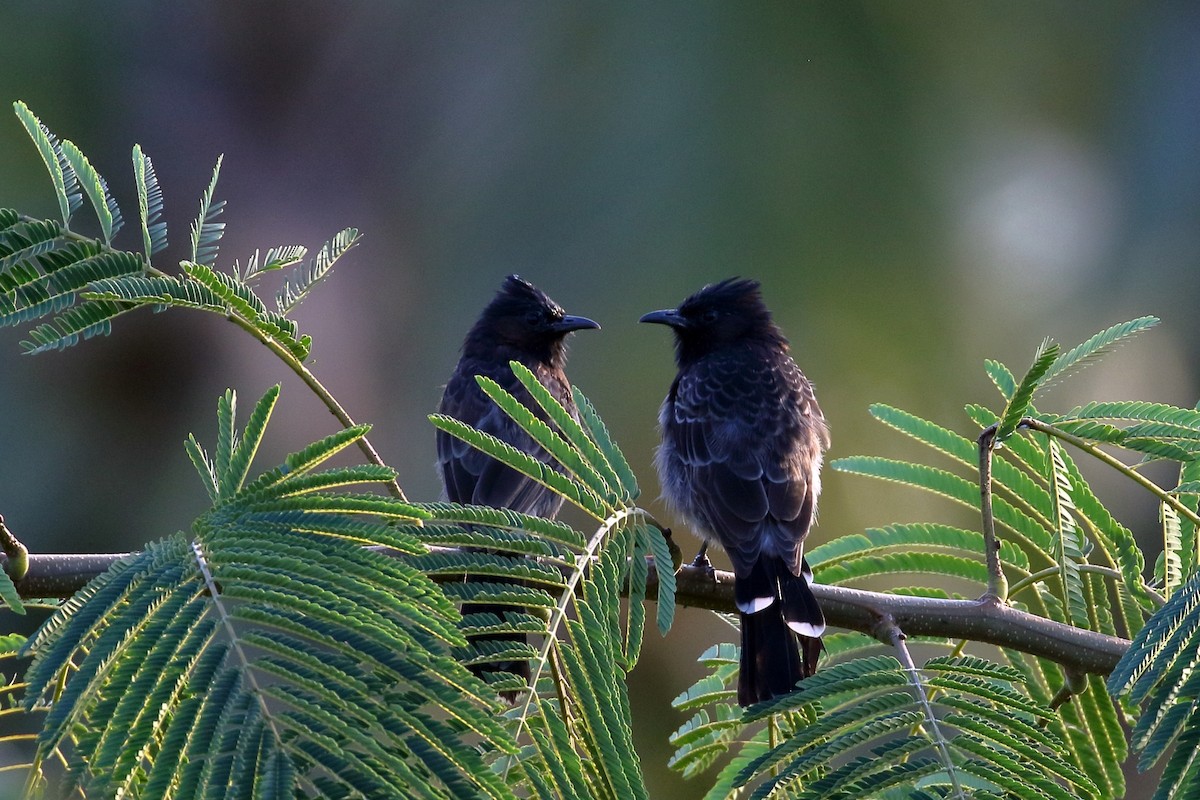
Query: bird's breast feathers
x,y
741,453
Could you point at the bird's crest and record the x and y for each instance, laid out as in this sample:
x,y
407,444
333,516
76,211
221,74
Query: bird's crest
x,y
743,294
518,292
722,313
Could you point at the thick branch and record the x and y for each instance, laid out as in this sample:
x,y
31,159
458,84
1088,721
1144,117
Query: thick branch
x,y
984,620
61,575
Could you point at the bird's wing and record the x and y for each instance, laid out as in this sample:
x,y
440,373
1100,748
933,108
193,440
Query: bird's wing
x,y
741,437
472,476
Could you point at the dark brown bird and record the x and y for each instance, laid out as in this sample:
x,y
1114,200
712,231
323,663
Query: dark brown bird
x,y
742,444
520,324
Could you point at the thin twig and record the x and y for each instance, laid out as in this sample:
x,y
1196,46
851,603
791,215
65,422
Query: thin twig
x,y
321,392
282,352
997,584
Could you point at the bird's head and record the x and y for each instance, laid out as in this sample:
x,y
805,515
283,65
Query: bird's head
x,y
522,318
720,314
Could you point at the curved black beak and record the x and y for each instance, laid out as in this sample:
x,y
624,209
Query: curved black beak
x,y
569,323
668,316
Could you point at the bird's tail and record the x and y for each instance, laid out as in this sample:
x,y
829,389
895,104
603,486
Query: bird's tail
x,y
490,648
781,636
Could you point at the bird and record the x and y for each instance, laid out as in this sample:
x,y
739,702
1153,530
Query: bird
x,y
740,460
520,323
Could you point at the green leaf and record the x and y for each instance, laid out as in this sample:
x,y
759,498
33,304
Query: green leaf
x,y
560,450
1018,405
1068,543
1172,547
1160,672
66,184
168,651
868,567
242,455
600,473
276,258
551,530
941,439
1001,377
206,230
603,440
1115,540
150,204
10,597
665,570
1190,537
1096,346
49,284
524,463
296,289
74,324
96,189
909,537
1138,410
950,486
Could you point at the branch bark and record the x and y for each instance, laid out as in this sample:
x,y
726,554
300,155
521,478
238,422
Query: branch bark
x,y
985,620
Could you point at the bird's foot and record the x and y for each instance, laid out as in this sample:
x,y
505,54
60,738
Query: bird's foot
x,y
701,561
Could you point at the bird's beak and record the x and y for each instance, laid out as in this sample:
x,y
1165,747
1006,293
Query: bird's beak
x,y
568,324
668,316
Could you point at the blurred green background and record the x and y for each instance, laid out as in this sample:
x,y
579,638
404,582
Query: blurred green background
x,y
918,186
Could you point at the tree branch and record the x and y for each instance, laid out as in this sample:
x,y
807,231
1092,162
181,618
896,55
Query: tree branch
x,y
984,620
997,583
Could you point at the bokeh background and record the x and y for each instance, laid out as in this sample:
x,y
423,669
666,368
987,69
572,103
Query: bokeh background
x,y
918,186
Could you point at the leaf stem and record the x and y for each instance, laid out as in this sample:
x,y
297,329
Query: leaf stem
x,y
320,391
1049,572
279,350
890,631
1117,464
210,585
559,613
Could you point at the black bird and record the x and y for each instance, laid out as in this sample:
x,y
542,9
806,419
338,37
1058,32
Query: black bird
x,y
742,444
520,324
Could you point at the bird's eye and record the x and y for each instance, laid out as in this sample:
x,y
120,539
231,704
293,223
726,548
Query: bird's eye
x,y
533,317
710,315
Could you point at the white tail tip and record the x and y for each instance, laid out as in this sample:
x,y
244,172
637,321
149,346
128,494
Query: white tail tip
x,y
808,629
756,605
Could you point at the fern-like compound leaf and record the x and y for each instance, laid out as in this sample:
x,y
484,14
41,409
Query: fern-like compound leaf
x,y
207,230
1019,404
604,442
953,487
1095,347
276,258
575,463
296,289
269,649
96,189
150,204
66,184
813,745
524,463
1068,541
